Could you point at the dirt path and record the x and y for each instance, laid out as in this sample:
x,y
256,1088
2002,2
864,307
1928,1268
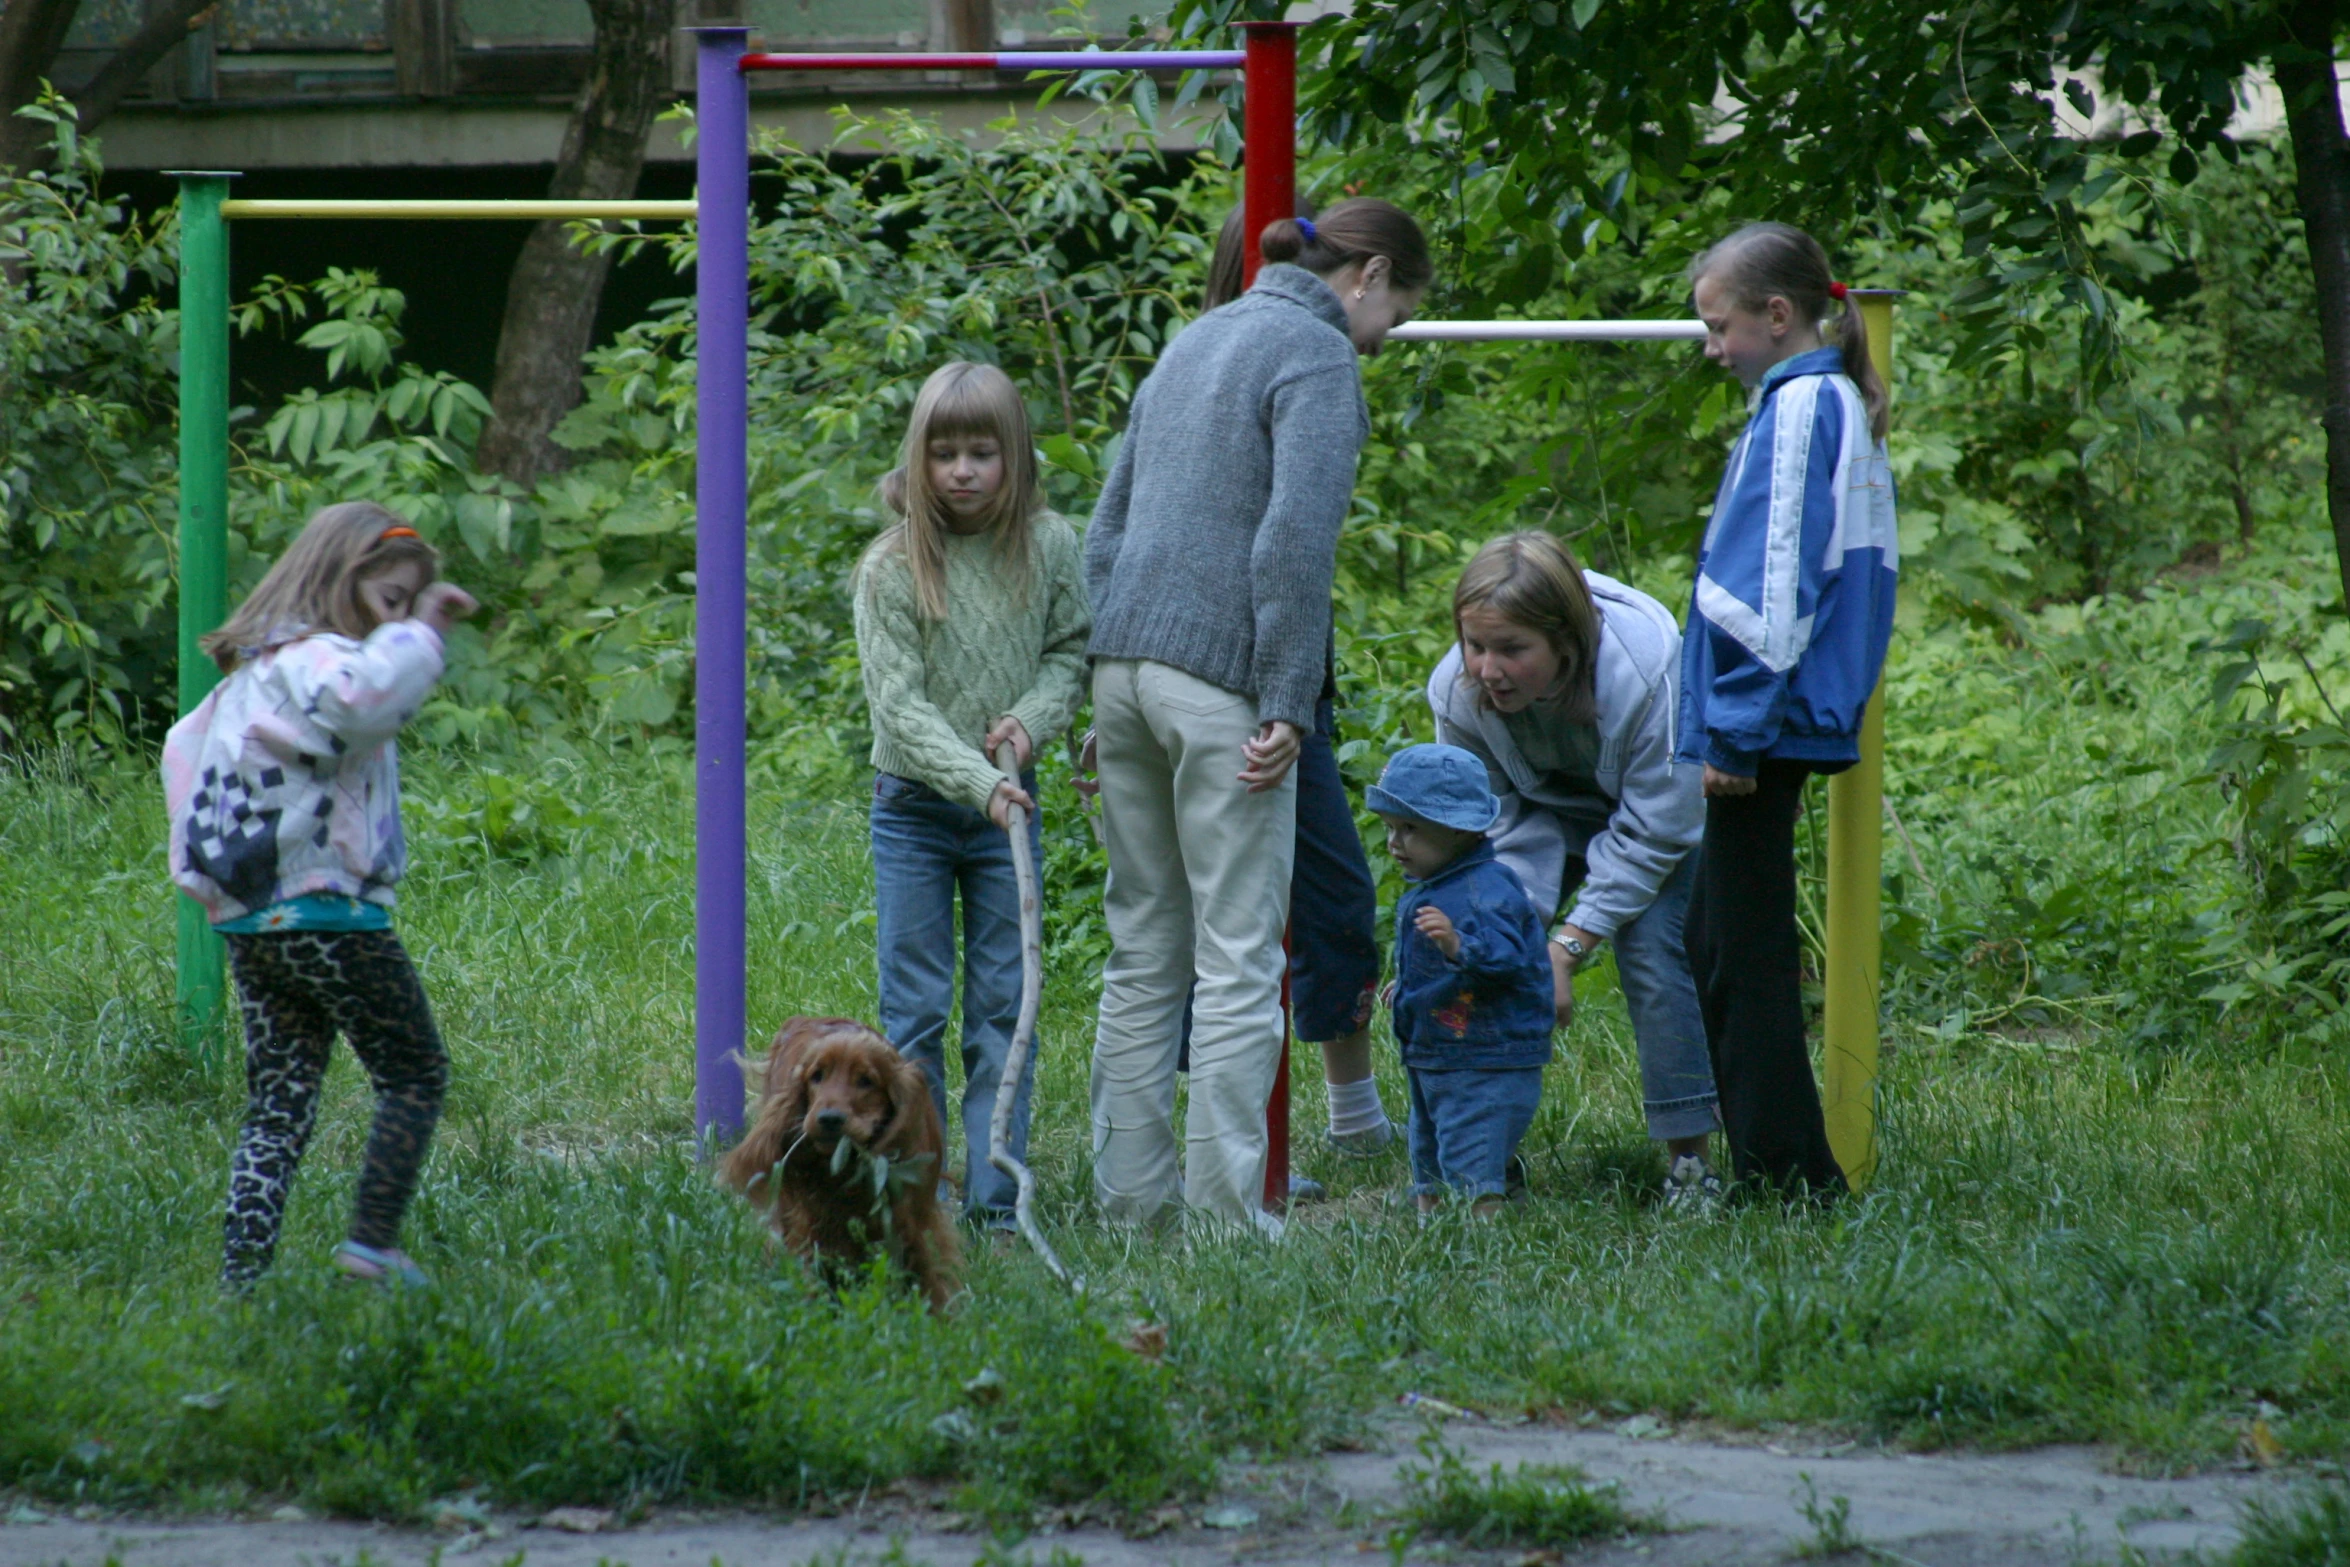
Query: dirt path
x,y
1722,1505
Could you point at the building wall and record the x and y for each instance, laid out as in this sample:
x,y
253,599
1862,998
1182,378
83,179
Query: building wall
x,y
288,84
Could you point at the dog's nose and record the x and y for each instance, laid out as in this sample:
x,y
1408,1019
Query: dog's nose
x,y
831,1120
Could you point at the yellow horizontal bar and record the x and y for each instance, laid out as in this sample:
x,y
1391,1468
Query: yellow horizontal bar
x,y
531,210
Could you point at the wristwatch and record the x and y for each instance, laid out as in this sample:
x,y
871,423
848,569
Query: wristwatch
x,y
1574,949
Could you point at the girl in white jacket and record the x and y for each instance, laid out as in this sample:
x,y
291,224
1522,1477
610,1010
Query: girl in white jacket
x,y
284,797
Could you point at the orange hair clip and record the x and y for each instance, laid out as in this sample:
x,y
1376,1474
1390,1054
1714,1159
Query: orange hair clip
x,y
398,533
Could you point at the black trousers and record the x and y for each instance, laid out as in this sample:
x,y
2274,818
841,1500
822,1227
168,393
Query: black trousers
x,y
1747,957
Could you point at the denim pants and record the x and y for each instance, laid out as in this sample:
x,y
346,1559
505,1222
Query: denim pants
x,y
1652,966
1465,1125
926,849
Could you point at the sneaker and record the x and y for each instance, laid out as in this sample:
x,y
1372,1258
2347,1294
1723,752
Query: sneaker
x,y
388,1267
1362,1145
1304,1188
1692,1187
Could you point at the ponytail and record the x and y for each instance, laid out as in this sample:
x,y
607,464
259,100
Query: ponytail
x,y
1852,336
1354,230
1766,259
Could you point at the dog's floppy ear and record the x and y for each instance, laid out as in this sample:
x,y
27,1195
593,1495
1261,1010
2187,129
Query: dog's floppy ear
x,y
783,1105
913,1119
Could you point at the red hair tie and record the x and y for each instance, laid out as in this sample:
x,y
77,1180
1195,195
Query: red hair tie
x,y
411,533
1837,291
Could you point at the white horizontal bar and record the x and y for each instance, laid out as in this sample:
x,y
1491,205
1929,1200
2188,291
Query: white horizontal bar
x,y
1547,331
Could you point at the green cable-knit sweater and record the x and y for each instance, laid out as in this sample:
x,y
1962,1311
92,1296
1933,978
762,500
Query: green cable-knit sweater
x,y
935,687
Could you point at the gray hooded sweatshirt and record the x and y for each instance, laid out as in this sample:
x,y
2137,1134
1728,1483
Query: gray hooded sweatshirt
x,y
1654,810
1216,536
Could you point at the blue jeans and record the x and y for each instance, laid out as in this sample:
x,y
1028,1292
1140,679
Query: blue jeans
x,y
926,848
1333,904
1652,966
1465,1125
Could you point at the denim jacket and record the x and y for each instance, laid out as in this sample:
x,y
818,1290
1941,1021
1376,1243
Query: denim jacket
x,y
1490,1009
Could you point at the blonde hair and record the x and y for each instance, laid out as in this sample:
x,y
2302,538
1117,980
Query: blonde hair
x,y
962,399
1530,579
1763,259
314,586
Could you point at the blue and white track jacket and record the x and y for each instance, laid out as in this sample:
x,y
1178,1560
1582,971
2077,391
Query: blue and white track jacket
x,y
1794,601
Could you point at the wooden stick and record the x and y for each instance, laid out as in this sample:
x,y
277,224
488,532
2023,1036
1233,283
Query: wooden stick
x,y
999,1132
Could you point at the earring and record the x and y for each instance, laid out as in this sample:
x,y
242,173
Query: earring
x,y
1358,293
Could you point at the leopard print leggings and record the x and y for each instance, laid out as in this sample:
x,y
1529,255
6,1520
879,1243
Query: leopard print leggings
x,y
298,989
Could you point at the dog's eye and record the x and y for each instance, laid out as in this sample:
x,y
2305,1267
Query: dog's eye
x,y
864,1080
816,1076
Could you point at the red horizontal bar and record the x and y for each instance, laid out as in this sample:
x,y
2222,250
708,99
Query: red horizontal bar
x,y
1007,60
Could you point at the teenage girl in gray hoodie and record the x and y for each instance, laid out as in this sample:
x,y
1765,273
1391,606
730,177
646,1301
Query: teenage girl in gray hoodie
x,y
1209,562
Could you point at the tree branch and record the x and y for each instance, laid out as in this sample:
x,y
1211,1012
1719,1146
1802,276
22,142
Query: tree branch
x,y
163,31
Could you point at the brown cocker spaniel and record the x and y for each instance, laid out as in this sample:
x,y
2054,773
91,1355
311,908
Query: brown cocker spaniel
x,y
827,1082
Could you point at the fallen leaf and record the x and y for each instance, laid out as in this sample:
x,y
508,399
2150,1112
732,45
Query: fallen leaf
x,y
1538,1559
1159,1521
577,1520
289,1514
2266,1449
1147,1339
1230,1516
1641,1428
985,1388
213,1399
27,1515
1436,1408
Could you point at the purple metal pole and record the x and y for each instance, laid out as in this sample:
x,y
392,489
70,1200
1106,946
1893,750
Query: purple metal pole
x,y
722,309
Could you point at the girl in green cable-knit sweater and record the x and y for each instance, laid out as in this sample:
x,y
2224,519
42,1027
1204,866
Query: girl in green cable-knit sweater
x,y
971,626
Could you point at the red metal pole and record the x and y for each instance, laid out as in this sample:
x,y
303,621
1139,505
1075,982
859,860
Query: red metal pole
x,y
1268,194
1269,134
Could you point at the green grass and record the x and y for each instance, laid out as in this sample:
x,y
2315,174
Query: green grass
x,y
2079,1234
1540,1505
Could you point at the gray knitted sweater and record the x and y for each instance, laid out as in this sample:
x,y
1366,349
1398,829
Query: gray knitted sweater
x,y
1214,541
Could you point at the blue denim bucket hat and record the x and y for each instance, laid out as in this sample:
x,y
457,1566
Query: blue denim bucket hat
x,y
1435,783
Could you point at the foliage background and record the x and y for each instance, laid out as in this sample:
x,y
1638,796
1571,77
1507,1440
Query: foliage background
x,y
2041,494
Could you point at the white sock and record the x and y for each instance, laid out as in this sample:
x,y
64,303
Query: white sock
x,y
1355,1107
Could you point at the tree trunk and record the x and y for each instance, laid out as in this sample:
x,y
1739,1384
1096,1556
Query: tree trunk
x,y
2321,159
31,33
552,296
156,37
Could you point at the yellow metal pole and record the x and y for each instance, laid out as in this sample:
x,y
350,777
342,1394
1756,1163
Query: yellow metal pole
x,y
534,211
1856,809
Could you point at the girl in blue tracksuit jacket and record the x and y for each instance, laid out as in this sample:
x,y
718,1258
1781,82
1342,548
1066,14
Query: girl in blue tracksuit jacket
x,y
1787,631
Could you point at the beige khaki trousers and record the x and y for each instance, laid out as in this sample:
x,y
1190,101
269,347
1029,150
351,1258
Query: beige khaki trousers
x,y
1198,889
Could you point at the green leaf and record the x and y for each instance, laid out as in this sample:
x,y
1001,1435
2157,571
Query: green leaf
x,y
1582,12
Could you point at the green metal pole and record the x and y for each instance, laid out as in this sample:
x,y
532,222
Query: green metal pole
x,y
203,541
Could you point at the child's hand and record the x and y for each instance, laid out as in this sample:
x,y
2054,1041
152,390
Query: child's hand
x,y
999,804
1010,728
443,604
1433,925
1718,783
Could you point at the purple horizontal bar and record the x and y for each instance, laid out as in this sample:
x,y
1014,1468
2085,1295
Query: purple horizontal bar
x,y
1006,60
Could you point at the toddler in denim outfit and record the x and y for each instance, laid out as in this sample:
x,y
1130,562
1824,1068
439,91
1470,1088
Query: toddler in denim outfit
x,y
1473,1003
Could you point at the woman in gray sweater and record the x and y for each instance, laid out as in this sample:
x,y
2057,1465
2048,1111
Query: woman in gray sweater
x,y
1209,563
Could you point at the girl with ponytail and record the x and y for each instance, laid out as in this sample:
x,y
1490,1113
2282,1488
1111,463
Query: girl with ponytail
x,y
1209,562
1788,625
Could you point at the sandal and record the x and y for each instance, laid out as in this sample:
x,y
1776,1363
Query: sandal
x,y
392,1266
